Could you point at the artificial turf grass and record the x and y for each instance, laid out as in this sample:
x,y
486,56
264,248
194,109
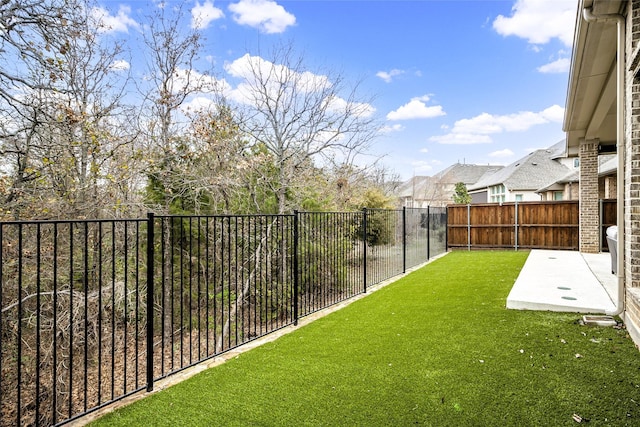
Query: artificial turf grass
x,y
435,348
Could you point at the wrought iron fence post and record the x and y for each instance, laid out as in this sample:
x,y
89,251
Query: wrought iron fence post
x,y
19,337
150,292
446,230
404,239
296,281
364,249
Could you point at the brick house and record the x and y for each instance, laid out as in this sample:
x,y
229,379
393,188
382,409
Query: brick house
x,y
519,181
602,114
438,190
568,187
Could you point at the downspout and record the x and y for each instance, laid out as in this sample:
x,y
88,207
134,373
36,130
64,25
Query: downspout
x,y
620,21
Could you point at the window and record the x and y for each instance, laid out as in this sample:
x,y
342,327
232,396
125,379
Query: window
x,y
557,195
497,193
576,162
518,197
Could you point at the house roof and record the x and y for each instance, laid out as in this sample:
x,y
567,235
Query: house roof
x,y
469,174
571,176
530,172
608,165
424,187
418,185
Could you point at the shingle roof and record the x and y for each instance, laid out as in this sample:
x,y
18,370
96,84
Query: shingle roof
x,y
608,164
426,187
469,174
571,176
415,186
531,172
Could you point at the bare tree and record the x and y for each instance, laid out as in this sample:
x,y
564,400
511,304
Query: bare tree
x,y
222,168
299,116
62,100
351,183
33,33
89,114
172,54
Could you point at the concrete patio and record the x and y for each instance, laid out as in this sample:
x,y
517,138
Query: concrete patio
x,y
567,281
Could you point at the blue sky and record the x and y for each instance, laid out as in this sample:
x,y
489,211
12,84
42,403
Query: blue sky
x,y
452,81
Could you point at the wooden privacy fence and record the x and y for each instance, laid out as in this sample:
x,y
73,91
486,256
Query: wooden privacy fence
x,y
549,225
530,225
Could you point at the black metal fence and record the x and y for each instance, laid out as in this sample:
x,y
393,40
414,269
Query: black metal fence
x,y
93,311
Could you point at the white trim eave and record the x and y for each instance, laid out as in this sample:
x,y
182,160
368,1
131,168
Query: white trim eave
x,y
620,72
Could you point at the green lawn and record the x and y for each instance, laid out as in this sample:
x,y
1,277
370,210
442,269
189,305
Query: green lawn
x,y
435,348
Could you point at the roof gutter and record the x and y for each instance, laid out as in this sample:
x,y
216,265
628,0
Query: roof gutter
x,y
620,22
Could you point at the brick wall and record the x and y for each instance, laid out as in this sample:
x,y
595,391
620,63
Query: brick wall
x,y
589,207
632,155
632,178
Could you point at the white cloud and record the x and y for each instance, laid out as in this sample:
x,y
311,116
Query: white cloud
x,y
393,128
476,130
203,14
502,153
388,76
205,89
555,114
461,139
558,66
424,150
247,67
120,65
241,67
359,109
265,15
486,124
199,103
421,166
107,23
416,109
539,21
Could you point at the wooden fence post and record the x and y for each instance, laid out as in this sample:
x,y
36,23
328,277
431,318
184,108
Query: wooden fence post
x,y
468,227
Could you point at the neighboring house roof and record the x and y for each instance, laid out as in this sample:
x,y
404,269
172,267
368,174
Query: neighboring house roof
x,y
570,177
559,150
608,165
418,185
428,188
531,172
469,174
